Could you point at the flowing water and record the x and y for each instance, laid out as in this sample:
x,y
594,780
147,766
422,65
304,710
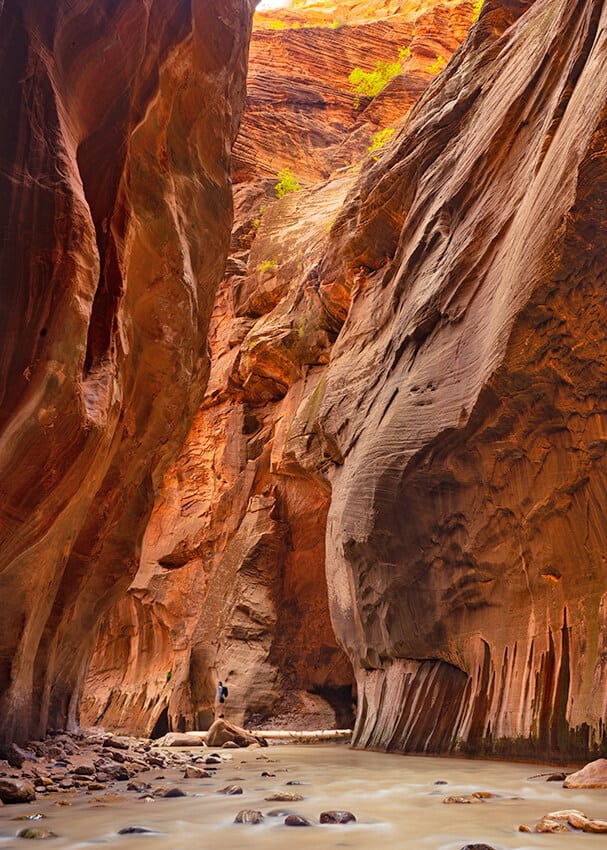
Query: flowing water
x,y
395,798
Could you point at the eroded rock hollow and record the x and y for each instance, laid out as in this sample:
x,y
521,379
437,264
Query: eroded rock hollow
x,y
118,120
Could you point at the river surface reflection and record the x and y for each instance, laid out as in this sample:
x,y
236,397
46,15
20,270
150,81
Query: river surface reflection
x,y
395,799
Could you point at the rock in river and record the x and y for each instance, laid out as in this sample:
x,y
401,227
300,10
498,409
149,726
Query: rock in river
x,y
337,817
593,775
248,816
297,820
283,797
16,791
36,832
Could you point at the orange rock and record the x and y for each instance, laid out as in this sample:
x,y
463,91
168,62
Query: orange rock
x,y
464,403
232,572
593,775
117,128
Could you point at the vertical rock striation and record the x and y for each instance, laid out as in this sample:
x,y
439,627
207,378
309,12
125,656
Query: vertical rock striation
x,y
118,119
464,405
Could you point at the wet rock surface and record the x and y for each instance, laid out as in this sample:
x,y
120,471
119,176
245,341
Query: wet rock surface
x,y
134,830
566,821
36,833
337,817
283,797
297,820
248,816
16,791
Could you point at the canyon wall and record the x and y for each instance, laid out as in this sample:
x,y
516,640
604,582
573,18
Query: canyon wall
x,y
118,120
232,580
464,405
407,356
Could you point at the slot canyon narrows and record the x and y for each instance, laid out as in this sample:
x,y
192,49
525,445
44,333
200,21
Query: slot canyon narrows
x,y
303,372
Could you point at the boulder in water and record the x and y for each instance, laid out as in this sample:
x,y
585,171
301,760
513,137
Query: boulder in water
x,y
593,775
284,797
174,792
16,790
337,817
248,816
36,833
297,820
134,830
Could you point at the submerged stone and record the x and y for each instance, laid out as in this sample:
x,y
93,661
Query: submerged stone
x,y
337,817
248,816
297,820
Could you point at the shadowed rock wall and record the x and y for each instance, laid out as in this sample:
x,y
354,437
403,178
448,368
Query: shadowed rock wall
x,y
464,405
232,580
118,119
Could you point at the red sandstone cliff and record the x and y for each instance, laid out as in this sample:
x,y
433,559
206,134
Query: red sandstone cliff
x,y
464,405
117,125
232,580
460,422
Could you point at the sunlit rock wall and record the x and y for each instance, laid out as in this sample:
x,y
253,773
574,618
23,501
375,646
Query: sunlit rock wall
x,y
118,119
464,405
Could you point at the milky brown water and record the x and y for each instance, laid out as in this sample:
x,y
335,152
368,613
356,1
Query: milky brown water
x,y
395,799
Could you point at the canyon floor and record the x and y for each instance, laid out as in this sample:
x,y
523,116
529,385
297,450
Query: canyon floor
x,y
398,801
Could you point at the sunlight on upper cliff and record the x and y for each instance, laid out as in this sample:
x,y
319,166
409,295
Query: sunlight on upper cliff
x,y
272,4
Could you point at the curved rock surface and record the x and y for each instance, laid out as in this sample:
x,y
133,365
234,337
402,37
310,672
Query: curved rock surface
x,y
118,120
464,403
232,580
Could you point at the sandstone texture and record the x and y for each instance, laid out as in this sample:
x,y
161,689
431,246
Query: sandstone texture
x,y
222,732
232,580
463,408
593,775
300,111
118,120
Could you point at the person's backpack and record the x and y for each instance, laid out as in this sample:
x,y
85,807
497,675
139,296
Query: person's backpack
x,y
224,692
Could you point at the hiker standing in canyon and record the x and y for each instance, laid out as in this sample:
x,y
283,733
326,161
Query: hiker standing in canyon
x,y
220,698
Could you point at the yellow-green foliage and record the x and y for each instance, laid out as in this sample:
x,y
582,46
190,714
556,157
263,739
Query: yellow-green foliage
x,y
380,138
370,83
276,25
477,10
268,265
437,66
287,182
257,219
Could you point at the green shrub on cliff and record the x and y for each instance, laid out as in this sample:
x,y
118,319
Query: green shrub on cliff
x,y
370,83
268,265
438,65
380,138
477,10
287,182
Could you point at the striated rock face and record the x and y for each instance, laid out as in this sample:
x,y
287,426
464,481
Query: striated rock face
x,y
232,581
464,405
300,110
423,358
118,120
